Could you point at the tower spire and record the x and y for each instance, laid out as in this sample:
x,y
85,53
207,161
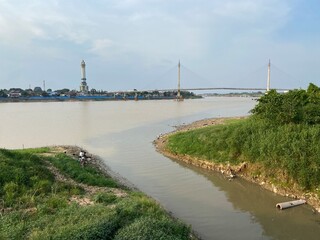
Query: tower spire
x,y
83,86
268,80
179,95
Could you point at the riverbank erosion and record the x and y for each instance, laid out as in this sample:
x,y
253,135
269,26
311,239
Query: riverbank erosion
x,y
236,156
45,193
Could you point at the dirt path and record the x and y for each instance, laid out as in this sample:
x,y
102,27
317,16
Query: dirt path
x,y
73,152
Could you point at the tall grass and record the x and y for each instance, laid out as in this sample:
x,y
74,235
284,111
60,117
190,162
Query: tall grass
x,y
292,147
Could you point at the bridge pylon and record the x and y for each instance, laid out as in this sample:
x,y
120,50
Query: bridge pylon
x,y
268,79
179,97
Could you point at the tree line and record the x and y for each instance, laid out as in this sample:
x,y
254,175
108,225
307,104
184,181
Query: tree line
x,y
296,106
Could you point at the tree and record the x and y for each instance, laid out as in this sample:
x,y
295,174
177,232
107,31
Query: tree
x,y
37,89
63,91
93,91
3,94
296,106
25,93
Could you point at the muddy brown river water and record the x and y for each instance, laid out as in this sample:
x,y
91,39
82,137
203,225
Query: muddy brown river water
x,y
121,133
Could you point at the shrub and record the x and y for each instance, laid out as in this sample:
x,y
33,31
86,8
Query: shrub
x,y
296,106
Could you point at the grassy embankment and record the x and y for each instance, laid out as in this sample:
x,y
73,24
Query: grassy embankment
x,y
48,195
292,150
280,142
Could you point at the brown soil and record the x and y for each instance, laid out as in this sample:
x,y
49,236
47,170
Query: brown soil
x,y
251,172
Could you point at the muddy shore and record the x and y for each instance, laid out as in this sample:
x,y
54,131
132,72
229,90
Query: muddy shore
x,y
244,170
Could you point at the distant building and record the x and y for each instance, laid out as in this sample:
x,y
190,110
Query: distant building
x,y
14,94
84,88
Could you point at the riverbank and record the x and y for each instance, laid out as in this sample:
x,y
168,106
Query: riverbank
x,y
253,172
73,151
79,99
46,193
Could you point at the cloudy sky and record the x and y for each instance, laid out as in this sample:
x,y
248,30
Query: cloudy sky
x,y
137,43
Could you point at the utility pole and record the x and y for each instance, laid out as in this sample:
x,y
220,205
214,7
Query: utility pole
x,y
44,85
268,81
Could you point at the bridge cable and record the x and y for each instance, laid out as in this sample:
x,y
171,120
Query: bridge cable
x,y
284,73
197,76
151,84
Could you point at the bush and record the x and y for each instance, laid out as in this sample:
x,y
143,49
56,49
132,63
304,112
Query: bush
x,y
296,106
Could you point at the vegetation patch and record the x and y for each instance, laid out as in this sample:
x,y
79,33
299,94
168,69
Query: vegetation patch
x,y
89,175
281,137
35,204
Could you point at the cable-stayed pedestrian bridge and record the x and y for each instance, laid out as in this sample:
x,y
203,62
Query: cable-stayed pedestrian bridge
x,y
178,89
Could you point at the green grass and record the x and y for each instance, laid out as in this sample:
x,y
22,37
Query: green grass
x,y
293,148
88,174
136,217
22,176
35,206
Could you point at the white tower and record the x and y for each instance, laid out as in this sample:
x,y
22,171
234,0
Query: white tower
x,y
179,97
83,86
268,80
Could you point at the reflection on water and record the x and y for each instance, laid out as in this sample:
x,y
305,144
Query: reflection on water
x,y
295,223
122,134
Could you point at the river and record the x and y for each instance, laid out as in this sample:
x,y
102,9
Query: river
x,y
121,133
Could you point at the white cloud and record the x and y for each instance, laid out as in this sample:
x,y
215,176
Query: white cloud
x,y
101,47
143,32
36,20
140,27
251,8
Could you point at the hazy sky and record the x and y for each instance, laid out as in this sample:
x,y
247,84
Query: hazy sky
x,y
137,43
